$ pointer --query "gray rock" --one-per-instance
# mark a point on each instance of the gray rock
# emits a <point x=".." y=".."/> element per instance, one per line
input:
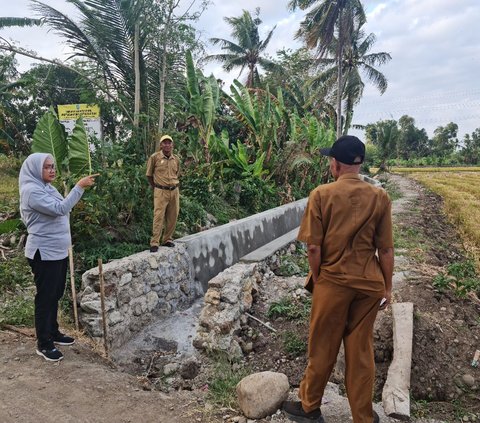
<point x="468" y="380"/>
<point x="170" y="369"/>
<point x="261" y="394"/>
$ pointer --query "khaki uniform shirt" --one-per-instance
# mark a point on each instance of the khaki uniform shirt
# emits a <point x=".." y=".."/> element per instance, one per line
<point x="163" y="169"/>
<point x="349" y="219"/>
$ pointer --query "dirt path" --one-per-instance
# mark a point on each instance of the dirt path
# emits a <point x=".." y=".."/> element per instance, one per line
<point x="81" y="388"/>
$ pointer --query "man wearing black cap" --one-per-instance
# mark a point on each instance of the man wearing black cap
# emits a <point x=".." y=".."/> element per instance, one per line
<point x="345" y="224"/>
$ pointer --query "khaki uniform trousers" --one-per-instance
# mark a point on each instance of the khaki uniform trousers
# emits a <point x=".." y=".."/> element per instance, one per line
<point x="339" y="312"/>
<point x="166" y="205"/>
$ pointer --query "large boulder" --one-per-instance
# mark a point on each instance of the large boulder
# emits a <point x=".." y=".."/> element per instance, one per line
<point x="261" y="394"/>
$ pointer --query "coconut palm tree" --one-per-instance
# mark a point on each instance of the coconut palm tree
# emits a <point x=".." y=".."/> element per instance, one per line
<point x="356" y="61"/>
<point x="246" y="51"/>
<point x="325" y="21"/>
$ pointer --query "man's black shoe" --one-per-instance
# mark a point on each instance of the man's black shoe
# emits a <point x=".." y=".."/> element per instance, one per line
<point x="61" y="339"/>
<point x="376" y="419"/>
<point x="295" y="412"/>
<point x="50" y="354"/>
<point x="168" y="244"/>
<point x="154" y="248"/>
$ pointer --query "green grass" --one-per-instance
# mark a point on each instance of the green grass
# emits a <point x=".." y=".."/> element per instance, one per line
<point x="9" y="226"/>
<point x="295" y="264"/>
<point x="409" y="239"/>
<point x="14" y="271"/>
<point x="223" y="382"/>
<point x="9" y="168"/>
<point x="17" y="312"/>
<point x="392" y="188"/>
<point x="8" y="193"/>
<point x="290" y="309"/>
<point x="461" y="277"/>
<point x="420" y="408"/>
<point x="293" y="344"/>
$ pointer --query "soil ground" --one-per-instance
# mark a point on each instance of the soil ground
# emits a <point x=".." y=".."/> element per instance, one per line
<point x="86" y="388"/>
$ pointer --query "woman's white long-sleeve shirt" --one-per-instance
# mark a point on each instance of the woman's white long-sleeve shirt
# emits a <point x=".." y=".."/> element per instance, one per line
<point x="47" y="218"/>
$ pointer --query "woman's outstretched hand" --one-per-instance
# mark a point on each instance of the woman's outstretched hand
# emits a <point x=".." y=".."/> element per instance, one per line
<point x="87" y="181"/>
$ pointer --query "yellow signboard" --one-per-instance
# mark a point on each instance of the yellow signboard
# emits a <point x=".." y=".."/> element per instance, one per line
<point x="69" y="113"/>
<point x="73" y="111"/>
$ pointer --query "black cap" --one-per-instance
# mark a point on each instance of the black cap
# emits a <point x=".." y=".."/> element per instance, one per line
<point x="347" y="149"/>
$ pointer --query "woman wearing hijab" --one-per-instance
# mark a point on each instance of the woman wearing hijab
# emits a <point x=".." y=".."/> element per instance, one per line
<point x="46" y="215"/>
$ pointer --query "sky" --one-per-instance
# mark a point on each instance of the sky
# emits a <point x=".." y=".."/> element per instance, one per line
<point x="434" y="44"/>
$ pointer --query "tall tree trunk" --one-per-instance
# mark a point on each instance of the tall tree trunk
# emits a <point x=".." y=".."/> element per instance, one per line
<point x="339" y="94"/>
<point x="251" y="67"/>
<point x="339" y="77"/>
<point x="162" y="75"/>
<point x="136" y="112"/>
<point x="163" y="71"/>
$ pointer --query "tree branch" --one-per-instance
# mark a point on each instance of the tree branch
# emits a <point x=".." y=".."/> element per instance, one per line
<point x="22" y="52"/>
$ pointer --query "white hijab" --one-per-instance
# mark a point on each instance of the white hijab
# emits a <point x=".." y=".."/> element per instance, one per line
<point x="30" y="179"/>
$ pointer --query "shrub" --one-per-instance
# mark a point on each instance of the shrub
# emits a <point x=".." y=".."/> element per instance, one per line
<point x="293" y="344"/>
<point x="192" y="216"/>
<point x="18" y="312"/>
<point x="14" y="271"/>
<point x="290" y="309"/>
<point x="460" y="276"/>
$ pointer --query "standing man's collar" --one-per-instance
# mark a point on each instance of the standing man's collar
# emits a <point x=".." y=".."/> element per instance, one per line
<point x="349" y="176"/>
<point x="162" y="156"/>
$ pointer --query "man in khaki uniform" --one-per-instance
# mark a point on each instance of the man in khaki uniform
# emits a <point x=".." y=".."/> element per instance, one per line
<point x="162" y="174"/>
<point x="345" y="224"/>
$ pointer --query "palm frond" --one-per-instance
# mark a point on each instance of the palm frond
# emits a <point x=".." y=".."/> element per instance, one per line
<point x="6" y="22"/>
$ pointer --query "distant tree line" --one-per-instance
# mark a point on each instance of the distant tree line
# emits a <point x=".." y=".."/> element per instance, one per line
<point x="403" y="143"/>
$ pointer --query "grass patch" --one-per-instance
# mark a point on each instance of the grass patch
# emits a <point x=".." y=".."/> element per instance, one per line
<point x="8" y="193"/>
<point x="406" y="237"/>
<point x="420" y="408"/>
<point x="223" y="382"/>
<point x="295" y="264"/>
<point x="293" y="344"/>
<point x="9" y="226"/>
<point x="461" y="277"/>
<point x="14" y="271"/>
<point x="290" y="309"/>
<point x="392" y="188"/>
<point x="17" y="312"/>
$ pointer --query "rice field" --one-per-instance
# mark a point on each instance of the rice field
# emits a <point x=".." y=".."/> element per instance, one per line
<point x="395" y="169"/>
<point x="461" y="193"/>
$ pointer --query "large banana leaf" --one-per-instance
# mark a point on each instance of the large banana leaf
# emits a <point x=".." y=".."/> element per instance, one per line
<point x="79" y="161"/>
<point x="49" y="137"/>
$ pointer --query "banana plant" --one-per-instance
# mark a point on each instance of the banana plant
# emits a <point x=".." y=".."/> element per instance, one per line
<point x="235" y="159"/>
<point x="305" y="143"/>
<point x="70" y="153"/>
<point x="263" y="114"/>
<point x="203" y="95"/>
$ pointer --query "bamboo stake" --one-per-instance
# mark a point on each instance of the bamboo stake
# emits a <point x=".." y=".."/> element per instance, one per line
<point x="102" y="302"/>
<point x="267" y="325"/>
<point x="72" y="285"/>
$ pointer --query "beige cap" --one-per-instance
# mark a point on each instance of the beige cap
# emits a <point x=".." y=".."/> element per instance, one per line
<point x="166" y="137"/>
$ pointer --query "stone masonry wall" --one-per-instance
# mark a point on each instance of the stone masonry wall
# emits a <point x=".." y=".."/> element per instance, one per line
<point x="137" y="288"/>
<point x="229" y="296"/>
